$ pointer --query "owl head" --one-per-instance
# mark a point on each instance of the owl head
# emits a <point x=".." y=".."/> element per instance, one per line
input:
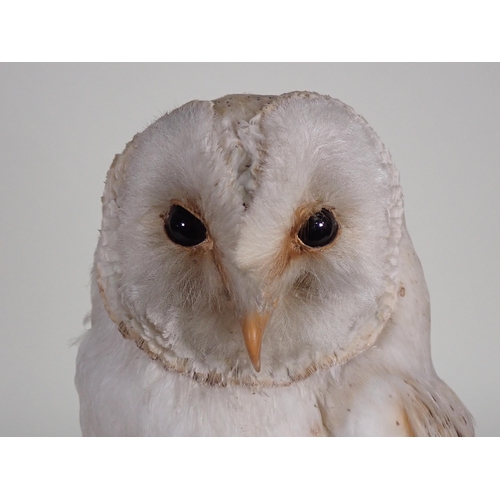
<point x="252" y="239"/>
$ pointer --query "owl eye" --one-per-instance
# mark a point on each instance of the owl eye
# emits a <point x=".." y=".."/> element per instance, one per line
<point x="183" y="228"/>
<point x="319" y="230"/>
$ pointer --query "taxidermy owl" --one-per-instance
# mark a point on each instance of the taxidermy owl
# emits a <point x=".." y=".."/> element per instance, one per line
<point x="254" y="276"/>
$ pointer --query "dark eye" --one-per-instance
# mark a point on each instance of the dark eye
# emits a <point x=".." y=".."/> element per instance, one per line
<point x="183" y="228"/>
<point x="319" y="230"/>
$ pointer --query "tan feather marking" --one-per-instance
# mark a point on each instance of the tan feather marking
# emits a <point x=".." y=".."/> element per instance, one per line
<point x="406" y="425"/>
<point x="318" y="431"/>
<point x="245" y="106"/>
<point x="217" y="259"/>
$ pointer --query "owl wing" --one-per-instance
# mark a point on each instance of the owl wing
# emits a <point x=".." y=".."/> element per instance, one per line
<point x="435" y="410"/>
<point x="390" y="405"/>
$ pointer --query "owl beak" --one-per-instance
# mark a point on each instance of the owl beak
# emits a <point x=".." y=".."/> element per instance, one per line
<point x="253" y="325"/>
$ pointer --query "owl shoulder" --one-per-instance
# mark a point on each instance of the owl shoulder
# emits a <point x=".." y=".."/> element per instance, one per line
<point x="391" y="405"/>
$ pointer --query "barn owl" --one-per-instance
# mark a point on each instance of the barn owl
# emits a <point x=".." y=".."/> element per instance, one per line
<point x="254" y="277"/>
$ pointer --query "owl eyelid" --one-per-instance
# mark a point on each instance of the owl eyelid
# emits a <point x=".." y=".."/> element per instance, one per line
<point x="190" y="207"/>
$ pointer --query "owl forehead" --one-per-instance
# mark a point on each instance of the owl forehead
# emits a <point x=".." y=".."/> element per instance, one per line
<point x="321" y="147"/>
<point x="246" y="157"/>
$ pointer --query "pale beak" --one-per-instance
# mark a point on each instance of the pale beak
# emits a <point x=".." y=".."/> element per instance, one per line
<point x="253" y="325"/>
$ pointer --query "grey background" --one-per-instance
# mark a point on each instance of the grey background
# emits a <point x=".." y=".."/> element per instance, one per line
<point x="61" y="124"/>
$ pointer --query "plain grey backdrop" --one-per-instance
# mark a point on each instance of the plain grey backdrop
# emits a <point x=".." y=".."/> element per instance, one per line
<point x="61" y="125"/>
